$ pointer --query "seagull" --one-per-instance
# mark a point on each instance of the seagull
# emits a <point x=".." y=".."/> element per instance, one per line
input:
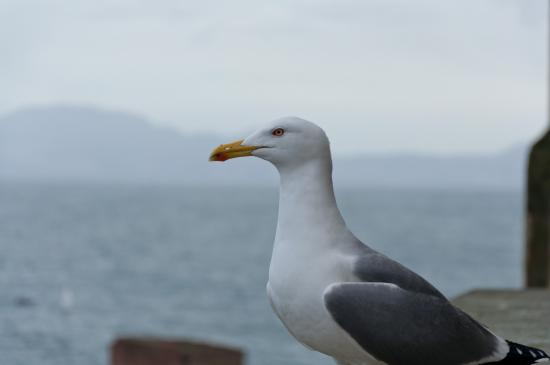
<point x="338" y="296"/>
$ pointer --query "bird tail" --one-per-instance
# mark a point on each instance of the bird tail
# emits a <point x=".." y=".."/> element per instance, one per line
<point x="522" y="355"/>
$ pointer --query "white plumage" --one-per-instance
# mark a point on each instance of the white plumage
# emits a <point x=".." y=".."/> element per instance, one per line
<point x="338" y="296"/>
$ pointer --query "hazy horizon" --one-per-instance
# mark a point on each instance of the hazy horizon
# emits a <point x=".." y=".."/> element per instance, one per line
<point x="224" y="136"/>
<point x="97" y="145"/>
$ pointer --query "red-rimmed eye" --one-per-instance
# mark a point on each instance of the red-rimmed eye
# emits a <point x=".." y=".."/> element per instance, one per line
<point x="278" y="132"/>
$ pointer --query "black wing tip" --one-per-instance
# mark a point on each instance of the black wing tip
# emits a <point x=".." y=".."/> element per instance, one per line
<point x="523" y="355"/>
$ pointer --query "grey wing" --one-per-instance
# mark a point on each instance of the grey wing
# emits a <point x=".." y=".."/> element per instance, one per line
<point x="375" y="267"/>
<point x="401" y="327"/>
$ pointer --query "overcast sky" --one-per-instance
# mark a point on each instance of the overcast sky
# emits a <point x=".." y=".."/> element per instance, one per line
<point x="448" y="76"/>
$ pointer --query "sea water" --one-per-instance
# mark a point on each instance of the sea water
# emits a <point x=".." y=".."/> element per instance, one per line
<point x="83" y="264"/>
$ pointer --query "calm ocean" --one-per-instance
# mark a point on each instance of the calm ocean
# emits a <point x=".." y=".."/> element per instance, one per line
<point x="81" y="265"/>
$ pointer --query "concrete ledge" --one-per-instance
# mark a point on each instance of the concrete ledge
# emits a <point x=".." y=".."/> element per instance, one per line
<point x="151" y="351"/>
<point x="518" y="315"/>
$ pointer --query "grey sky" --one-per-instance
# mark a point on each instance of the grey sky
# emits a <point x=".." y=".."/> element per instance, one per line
<point x="380" y="75"/>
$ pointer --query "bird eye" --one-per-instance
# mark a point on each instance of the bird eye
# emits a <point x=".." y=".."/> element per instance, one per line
<point x="278" y="132"/>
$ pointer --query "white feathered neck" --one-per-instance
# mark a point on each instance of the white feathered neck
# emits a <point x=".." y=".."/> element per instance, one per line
<point x="307" y="206"/>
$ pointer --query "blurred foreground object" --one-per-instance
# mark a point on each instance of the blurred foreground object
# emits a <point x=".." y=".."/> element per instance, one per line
<point x="537" y="255"/>
<point x="538" y="215"/>
<point x="152" y="351"/>
<point x="523" y="315"/>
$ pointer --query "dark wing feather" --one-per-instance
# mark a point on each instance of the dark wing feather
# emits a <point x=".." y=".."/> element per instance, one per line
<point x="378" y="268"/>
<point x="401" y="327"/>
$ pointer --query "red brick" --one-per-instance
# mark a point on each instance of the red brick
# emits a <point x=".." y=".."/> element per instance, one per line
<point x="151" y="351"/>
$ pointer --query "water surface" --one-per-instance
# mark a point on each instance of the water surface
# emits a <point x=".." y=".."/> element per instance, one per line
<point x="84" y="264"/>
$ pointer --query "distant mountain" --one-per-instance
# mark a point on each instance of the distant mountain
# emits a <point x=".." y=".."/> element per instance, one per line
<point x="67" y="143"/>
<point x="504" y="170"/>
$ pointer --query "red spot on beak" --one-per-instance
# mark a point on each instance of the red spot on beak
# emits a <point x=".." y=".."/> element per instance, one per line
<point x="222" y="157"/>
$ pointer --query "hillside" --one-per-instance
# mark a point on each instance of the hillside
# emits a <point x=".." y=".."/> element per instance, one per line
<point x="67" y="143"/>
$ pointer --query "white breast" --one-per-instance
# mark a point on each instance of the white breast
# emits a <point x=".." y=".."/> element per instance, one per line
<point x="308" y="256"/>
<point x="295" y="289"/>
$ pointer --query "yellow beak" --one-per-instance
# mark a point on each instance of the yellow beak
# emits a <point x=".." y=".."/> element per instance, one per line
<point x="231" y="150"/>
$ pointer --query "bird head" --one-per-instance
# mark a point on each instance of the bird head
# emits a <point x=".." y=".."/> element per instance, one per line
<point x="283" y="142"/>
